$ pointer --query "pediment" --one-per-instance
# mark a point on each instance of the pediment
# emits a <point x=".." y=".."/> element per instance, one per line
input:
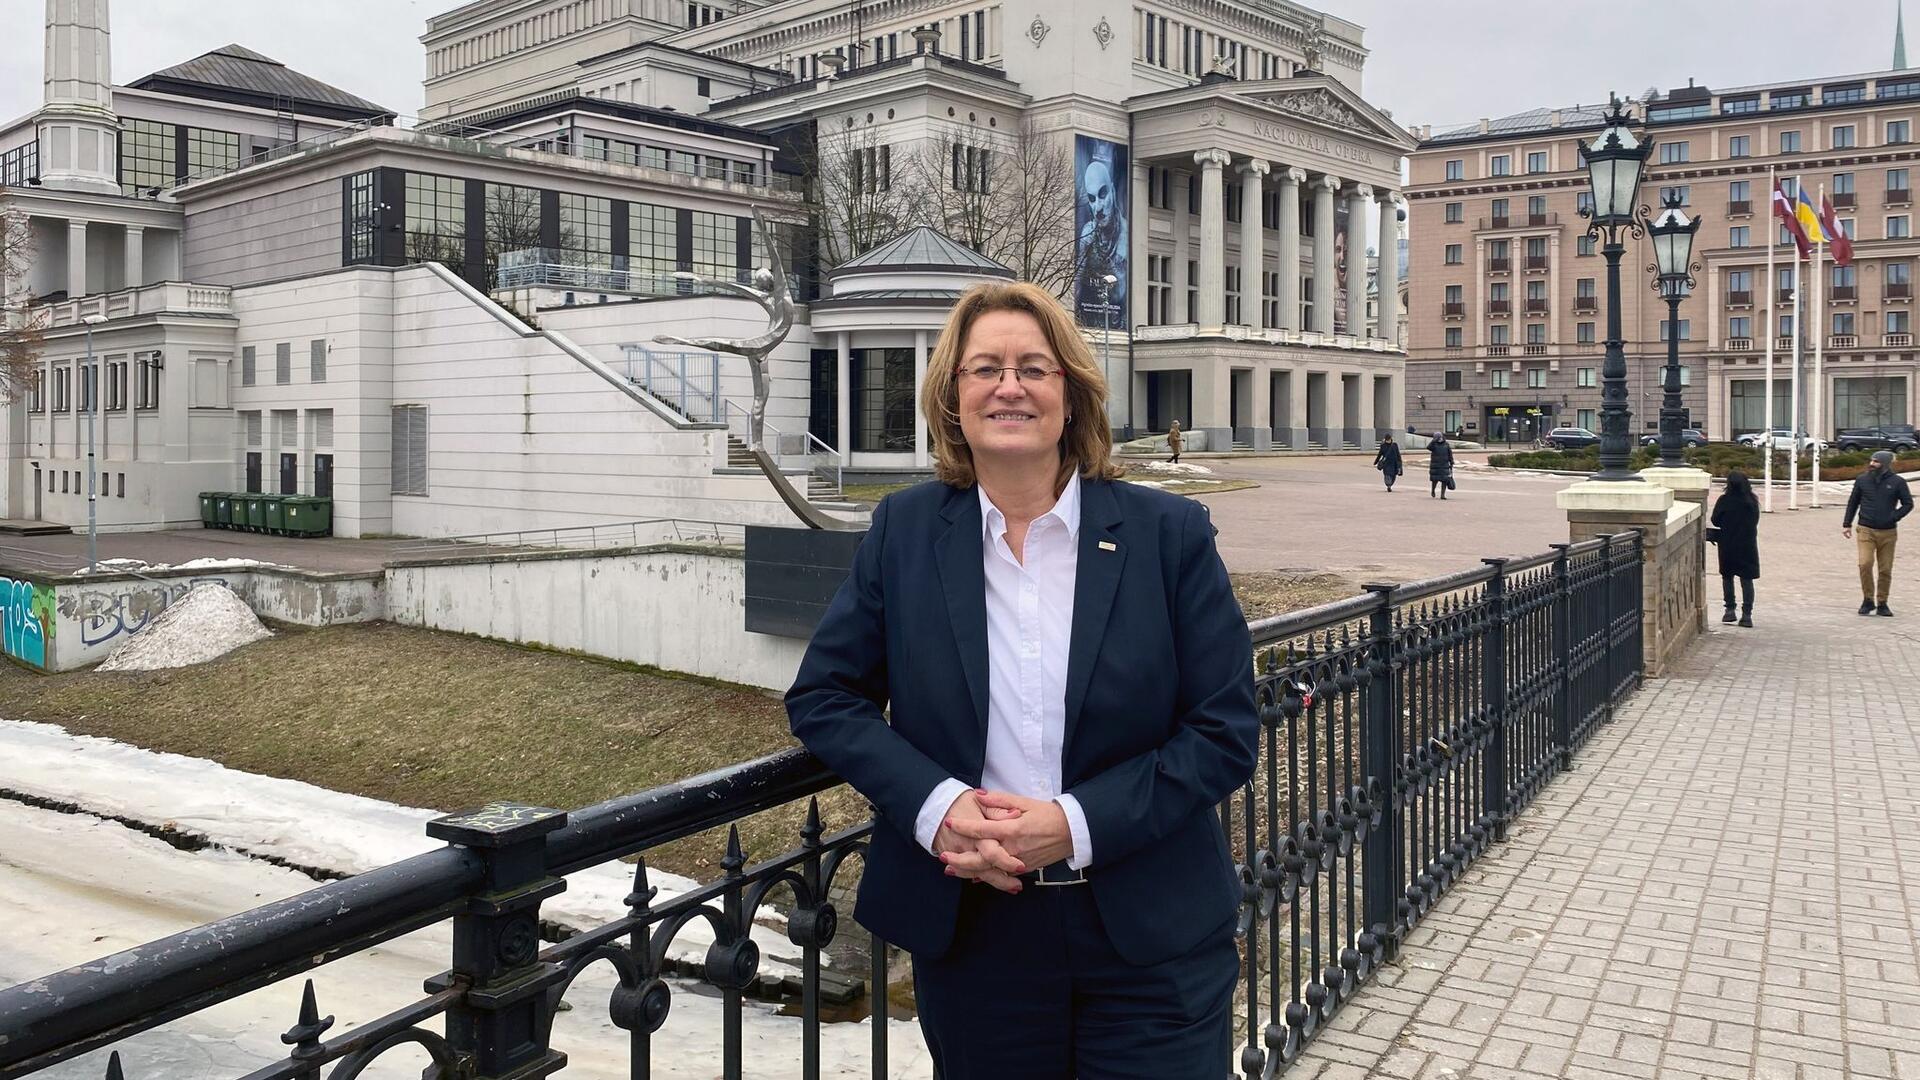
<point x="1331" y="105"/>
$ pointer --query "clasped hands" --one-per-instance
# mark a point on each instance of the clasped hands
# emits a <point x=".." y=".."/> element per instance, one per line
<point x="993" y="838"/>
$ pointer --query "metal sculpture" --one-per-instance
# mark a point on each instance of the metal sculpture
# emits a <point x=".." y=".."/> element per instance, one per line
<point x="775" y="297"/>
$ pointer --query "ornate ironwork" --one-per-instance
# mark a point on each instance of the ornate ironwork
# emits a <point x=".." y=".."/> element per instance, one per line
<point x="1401" y="731"/>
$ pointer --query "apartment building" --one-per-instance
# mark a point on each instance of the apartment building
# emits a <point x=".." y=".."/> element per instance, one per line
<point x="1507" y="314"/>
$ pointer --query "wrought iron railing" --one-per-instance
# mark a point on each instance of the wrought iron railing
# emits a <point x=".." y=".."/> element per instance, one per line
<point x="1402" y="730"/>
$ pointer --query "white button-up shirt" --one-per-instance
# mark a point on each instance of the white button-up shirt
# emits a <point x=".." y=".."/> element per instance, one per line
<point x="1029" y="629"/>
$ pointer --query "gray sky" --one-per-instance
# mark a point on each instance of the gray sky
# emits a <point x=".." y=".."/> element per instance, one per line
<point x="1440" y="62"/>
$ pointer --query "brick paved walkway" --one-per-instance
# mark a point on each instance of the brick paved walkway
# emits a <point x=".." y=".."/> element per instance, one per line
<point x="1726" y="885"/>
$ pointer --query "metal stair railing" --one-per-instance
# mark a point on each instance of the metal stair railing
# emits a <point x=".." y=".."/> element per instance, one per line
<point x="688" y="382"/>
<point x="821" y="460"/>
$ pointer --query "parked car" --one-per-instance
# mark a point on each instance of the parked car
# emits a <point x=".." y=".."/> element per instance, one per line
<point x="1754" y="438"/>
<point x="1782" y="439"/>
<point x="1572" y="438"/>
<point x="1884" y="437"/>
<point x="1691" y="437"/>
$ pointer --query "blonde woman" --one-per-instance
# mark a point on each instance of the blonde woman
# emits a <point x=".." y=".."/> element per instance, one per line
<point x="1041" y="680"/>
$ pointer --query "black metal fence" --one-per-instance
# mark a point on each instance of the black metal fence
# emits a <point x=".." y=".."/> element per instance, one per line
<point x="1402" y="730"/>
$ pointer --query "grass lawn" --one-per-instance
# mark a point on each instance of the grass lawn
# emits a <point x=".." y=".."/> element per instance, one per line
<point x="447" y="722"/>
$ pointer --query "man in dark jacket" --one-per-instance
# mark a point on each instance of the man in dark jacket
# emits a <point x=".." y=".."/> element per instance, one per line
<point x="1880" y="498"/>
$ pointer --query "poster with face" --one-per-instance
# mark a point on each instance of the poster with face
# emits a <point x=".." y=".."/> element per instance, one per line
<point x="1100" y="221"/>
<point x="1342" y="305"/>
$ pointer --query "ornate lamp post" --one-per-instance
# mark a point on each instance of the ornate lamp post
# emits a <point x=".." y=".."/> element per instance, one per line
<point x="1672" y="236"/>
<point x="1613" y="162"/>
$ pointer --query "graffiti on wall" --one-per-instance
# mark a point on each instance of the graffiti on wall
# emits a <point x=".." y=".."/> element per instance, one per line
<point x="104" y="616"/>
<point x="26" y="620"/>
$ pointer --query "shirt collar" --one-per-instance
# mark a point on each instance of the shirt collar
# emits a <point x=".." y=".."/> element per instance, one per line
<point x="1066" y="510"/>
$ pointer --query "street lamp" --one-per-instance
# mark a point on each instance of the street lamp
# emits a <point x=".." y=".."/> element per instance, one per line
<point x="1613" y="162"/>
<point x="1672" y="236"/>
<point x="90" y="385"/>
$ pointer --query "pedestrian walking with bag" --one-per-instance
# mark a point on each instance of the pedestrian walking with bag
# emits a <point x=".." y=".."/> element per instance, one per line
<point x="1736" y="530"/>
<point x="1174" y="441"/>
<point x="1880" y="499"/>
<point x="1440" y="466"/>
<point x="1388" y="462"/>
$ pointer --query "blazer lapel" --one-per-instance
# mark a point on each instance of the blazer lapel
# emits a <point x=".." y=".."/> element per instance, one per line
<point x="1096" y="580"/>
<point x="958" y="553"/>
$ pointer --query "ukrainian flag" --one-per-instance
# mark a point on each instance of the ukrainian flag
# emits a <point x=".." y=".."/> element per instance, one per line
<point x="1809" y="217"/>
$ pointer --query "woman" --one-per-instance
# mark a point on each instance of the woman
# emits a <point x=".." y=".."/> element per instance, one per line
<point x="1388" y="461"/>
<point x="1736" y="519"/>
<point x="1440" y="465"/>
<point x="1069" y="678"/>
<point x="1174" y="441"/>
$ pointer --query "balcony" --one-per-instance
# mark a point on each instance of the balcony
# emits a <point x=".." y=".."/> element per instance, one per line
<point x="1536" y="262"/>
<point x="1739" y="344"/>
<point x="1739" y="207"/>
<point x="1499" y="307"/>
<point x="1844" y="200"/>
<point x="1784" y="296"/>
<point x="1536" y="305"/>
<point x="1842" y="341"/>
<point x="1588" y="304"/>
<point x="1534" y="350"/>
<point x="1499" y="350"/>
<point x="1899" y="196"/>
<point x="168" y="296"/>
<point x="1536" y="221"/>
<point x="1783" y="343"/>
<point x="1845" y="293"/>
<point x="1453" y="310"/>
<point x="1898" y="290"/>
<point x="1499" y="264"/>
<point x="1897" y="341"/>
<point x="1742" y="298"/>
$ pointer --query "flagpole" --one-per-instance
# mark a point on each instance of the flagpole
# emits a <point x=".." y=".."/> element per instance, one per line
<point x="1793" y="387"/>
<point x="1769" y="330"/>
<point x="1817" y="400"/>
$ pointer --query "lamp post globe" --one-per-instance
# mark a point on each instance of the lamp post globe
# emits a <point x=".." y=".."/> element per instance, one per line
<point x="1671" y="234"/>
<point x="1614" y="161"/>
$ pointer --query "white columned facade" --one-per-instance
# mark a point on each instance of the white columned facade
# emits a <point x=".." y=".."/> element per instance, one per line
<point x="76" y="126"/>
<point x="1324" y="186"/>
<point x="1213" y="240"/>
<point x="843" y="377"/>
<point x="1290" y="181"/>
<point x="1140" y="232"/>
<point x="76" y="258"/>
<point x="1253" y="254"/>
<point x="136" y="256"/>
<point x="1358" y="199"/>
<point x="1389" y="274"/>
<point x="1179" y="310"/>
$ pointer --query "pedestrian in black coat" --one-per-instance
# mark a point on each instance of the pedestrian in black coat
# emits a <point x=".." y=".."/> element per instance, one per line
<point x="1388" y="461"/>
<point x="1440" y="465"/>
<point x="1736" y="521"/>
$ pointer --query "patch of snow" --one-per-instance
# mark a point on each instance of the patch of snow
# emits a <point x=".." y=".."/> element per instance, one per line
<point x="218" y="564"/>
<point x="206" y="624"/>
<point x="118" y="566"/>
<point x="1181" y="468"/>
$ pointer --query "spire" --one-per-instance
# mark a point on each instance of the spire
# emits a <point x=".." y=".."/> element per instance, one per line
<point x="1899" y="36"/>
<point x="76" y="124"/>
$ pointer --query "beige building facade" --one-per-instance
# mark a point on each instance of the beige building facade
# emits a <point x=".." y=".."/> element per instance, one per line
<point x="1507" y="313"/>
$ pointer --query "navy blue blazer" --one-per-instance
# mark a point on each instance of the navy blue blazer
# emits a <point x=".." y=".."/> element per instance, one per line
<point x="1160" y="717"/>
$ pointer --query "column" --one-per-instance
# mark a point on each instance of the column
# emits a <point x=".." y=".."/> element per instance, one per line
<point x="1396" y="418"/>
<point x="1357" y="202"/>
<point x="136" y="256"/>
<point x="1182" y="252"/>
<point x="1253" y="254"/>
<point x="1324" y="186"/>
<point x="1369" y="430"/>
<point x="1290" y="181"/>
<point x="1140" y="228"/>
<point x="920" y="457"/>
<point x="1297" y="408"/>
<point x="843" y="397"/>
<point x="76" y="262"/>
<point x="1390" y="268"/>
<point x="1213" y="240"/>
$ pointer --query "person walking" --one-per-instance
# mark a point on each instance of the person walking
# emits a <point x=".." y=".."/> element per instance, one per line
<point x="1880" y="498"/>
<point x="1174" y="441"/>
<point x="1736" y="523"/>
<point x="1440" y="465"/>
<point x="1388" y="462"/>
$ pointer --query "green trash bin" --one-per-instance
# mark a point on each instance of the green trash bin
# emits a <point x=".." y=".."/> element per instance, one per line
<point x="276" y="506"/>
<point x="256" y="513"/>
<point x="223" y="502"/>
<point x="207" y="499"/>
<point x="309" y="515"/>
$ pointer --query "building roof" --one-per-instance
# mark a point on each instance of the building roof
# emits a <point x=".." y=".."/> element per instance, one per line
<point x="239" y="75"/>
<point x="923" y="248"/>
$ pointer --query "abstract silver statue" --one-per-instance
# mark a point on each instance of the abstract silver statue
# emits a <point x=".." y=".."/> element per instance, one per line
<point x="776" y="298"/>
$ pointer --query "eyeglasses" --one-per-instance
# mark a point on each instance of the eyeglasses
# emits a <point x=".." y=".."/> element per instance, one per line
<point x="1026" y="373"/>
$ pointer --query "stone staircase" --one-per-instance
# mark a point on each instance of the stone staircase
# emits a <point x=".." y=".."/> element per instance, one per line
<point x="819" y="489"/>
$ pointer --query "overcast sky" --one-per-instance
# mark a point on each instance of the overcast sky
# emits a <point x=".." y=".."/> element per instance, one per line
<point x="1437" y="62"/>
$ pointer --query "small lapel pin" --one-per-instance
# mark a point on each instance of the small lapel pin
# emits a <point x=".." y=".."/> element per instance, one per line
<point x="1108" y="545"/>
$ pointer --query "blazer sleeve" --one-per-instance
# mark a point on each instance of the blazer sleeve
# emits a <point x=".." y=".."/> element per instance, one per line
<point x="1212" y="753"/>
<point x="836" y="706"/>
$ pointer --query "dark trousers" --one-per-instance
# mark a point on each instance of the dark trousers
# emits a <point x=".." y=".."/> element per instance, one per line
<point x="1033" y="990"/>
<point x="1746" y="589"/>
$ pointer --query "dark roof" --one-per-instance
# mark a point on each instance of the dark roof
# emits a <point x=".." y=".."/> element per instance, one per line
<point x="923" y="248"/>
<point x="565" y="100"/>
<point x="240" y="76"/>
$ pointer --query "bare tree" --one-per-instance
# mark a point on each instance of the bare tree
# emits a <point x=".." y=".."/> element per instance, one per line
<point x="20" y="326"/>
<point x="858" y="196"/>
<point x="1012" y="201"/>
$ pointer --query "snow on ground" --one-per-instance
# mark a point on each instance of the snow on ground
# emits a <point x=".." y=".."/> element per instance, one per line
<point x="206" y="624"/>
<point x="1171" y="468"/>
<point x="127" y="566"/>
<point x="74" y="888"/>
<point x="300" y="823"/>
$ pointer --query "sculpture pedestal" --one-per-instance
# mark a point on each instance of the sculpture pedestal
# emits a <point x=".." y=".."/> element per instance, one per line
<point x="1672" y="603"/>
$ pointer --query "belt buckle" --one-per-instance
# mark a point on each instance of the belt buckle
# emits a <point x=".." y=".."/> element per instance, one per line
<point x="1041" y="876"/>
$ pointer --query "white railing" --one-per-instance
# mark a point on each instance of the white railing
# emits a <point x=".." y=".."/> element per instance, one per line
<point x="1535" y="350"/>
<point x="1739" y="344"/>
<point x="1267" y="335"/>
<point x="154" y="299"/>
<point x="1170" y="332"/>
<point x="1842" y="341"/>
<point x="688" y="382"/>
<point x="1897" y="341"/>
<point x="819" y="459"/>
<point x="1498" y="350"/>
<point x="537" y="269"/>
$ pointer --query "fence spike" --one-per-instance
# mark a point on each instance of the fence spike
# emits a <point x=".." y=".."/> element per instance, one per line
<point x="113" y="1067"/>
<point x="304" y="1035"/>
<point x="810" y="830"/>
<point x="641" y="898"/>
<point x="735" y="858"/>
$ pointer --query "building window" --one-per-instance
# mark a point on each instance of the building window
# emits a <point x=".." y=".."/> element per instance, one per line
<point x="1685" y="335"/>
<point x="16" y="165"/>
<point x="363" y="220"/>
<point x="1499" y="375"/>
<point x="1686" y="372"/>
<point x="283" y="363"/>
<point x="972" y="166"/>
<point x="1681" y="191"/>
<point x="1232" y="284"/>
<point x="409" y="460"/>
<point x="1583" y="202"/>
<point x="1740" y="146"/>
<point x="1456" y="213"/>
<point x="1843" y="95"/>
<point x="1159" y="289"/>
<point x="37" y="390"/>
<point x="1740" y="326"/>
<point x="586" y="231"/>
<point x="437" y="220"/>
<point x="1583" y="245"/>
<point x="1452" y="422"/>
<point x="1536" y="376"/>
<point x="1673" y="153"/>
<point x="1789" y="142"/>
<point x="1789" y="99"/>
<point x="1586" y="419"/>
<point x="250" y="427"/>
<point x="1869" y="402"/>
<point x="716" y="253"/>
<point x="511" y="218"/>
<point x="211" y="151"/>
<point x="247" y="372"/>
<point x="116" y="385"/>
<point x="1537" y="161"/>
<point x="1842" y="324"/>
<point x="1583" y="377"/>
<point x="1842" y="184"/>
<point x="1899" y="131"/>
<point x="1899" y="273"/>
<point x="1897" y="227"/>
<point x="1193" y="289"/>
<point x="1454" y="339"/>
<point x="317" y="360"/>
<point x="1899" y="322"/>
<point x="1456" y="169"/>
<point x="883" y="402"/>
<point x="1452" y="380"/>
<point x="1583" y="333"/>
<point x="1898" y="187"/>
<point x="1499" y="211"/>
<point x="703" y="86"/>
<point x="146" y="155"/>
<point x="1841" y="136"/>
<point x="1454" y="254"/>
<point x="1740" y="236"/>
<point x="1500" y="165"/>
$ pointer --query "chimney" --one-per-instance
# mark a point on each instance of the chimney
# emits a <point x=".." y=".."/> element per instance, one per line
<point x="1485" y="125"/>
<point x="1553" y="119"/>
